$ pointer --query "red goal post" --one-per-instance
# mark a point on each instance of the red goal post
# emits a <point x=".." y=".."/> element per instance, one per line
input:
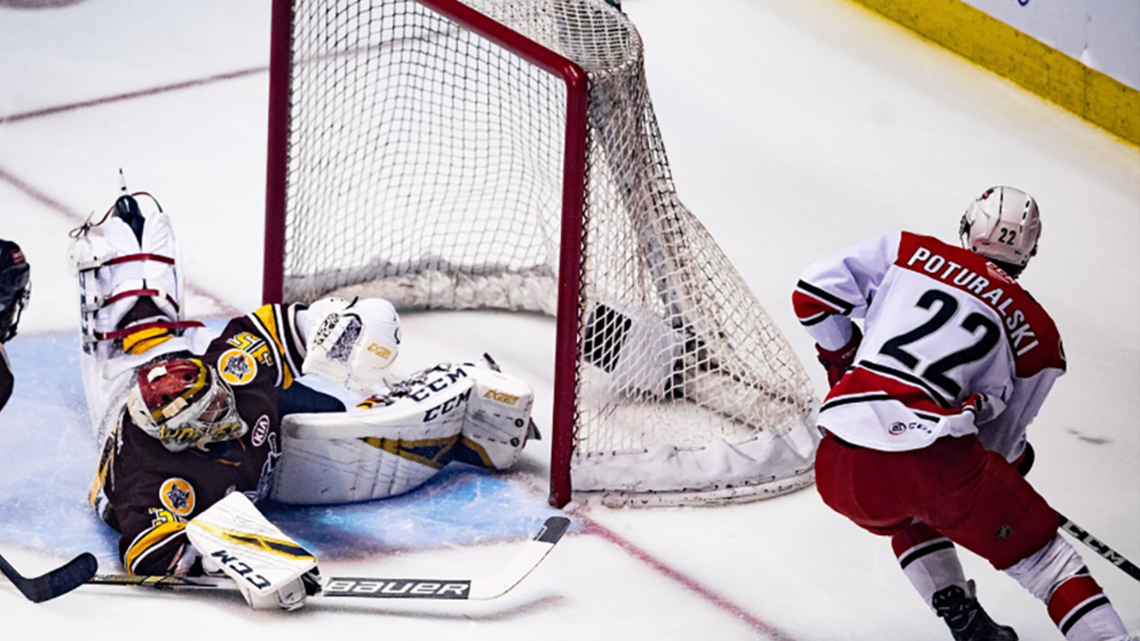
<point x="457" y="132"/>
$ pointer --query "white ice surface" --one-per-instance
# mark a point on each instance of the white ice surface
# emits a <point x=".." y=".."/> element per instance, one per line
<point x="793" y="129"/>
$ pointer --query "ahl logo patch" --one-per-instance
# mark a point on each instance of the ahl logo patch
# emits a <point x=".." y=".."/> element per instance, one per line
<point x="237" y="367"/>
<point x="177" y="495"/>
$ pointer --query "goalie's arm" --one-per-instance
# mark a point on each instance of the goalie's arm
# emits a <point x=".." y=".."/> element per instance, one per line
<point x="264" y="344"/>
<point x="153" y="541"/>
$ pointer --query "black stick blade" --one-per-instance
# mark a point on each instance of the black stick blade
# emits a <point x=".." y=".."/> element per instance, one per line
<point x="55" y="583"/>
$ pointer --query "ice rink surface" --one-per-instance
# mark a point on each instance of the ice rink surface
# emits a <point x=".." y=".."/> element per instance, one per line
<point x="793" y="129"/>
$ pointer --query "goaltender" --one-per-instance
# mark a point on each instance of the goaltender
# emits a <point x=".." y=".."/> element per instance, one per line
<point x="186" y="417"/>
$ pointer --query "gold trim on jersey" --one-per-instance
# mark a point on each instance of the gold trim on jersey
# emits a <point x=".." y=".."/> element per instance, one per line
<point x="164" y="527"/>
<point x="103" y="471"/>
<point x="273" y="327"/>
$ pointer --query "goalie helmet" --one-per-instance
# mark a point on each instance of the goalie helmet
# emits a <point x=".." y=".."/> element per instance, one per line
<point x="1003" y="225"/>
<point x="15" y="288"/>
<point x="183" y="403"/>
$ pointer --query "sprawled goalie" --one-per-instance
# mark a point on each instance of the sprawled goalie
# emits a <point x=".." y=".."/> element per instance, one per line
<point x="187" y="417"/>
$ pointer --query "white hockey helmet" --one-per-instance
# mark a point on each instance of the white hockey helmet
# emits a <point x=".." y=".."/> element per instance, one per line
<point x="1003" y="225"/>
<point x="182" y="402"/>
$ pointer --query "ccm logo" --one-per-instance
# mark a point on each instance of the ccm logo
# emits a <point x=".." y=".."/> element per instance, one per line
<point x="381" y="588"/>
<point x="447" y="406"/>
<point x="505" y="399"/>
<point x="242" y="570"/>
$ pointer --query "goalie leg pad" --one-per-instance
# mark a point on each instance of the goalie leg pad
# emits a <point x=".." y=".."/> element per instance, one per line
<point x="271" y="569"/>
<point x="115" y="268"/>
<point x="497" y="423"/>
<point x="366" y="454"/>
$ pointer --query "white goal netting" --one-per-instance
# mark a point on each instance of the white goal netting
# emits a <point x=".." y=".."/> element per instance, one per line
<point x="428" y="163"/>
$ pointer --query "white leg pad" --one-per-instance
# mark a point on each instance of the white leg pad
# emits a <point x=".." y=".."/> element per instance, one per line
<point x="365" y="454"/>
<point x="498" y="417"/>
<point x="100" y="280"/>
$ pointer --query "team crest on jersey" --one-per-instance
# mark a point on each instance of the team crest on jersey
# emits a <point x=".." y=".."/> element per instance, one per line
<point x="177" y="495"/>
<point x="237" y="367"/>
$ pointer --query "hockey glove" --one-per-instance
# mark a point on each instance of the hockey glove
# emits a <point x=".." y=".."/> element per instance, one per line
<point x="837" y="362"/>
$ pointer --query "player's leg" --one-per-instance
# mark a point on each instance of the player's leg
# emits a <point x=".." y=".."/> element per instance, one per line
<point x="930" y="561"/>
<point x="871" y="488"/>
<point x="993" y="511"/>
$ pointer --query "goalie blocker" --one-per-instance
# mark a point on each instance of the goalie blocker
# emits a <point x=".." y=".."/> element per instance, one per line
<point x="394" y="442"/>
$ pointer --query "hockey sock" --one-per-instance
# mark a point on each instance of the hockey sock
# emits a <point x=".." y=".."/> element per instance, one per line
<point x="929" y="560"/>
<point x="1057" y="575"/>
<point x="1083" y="613"/>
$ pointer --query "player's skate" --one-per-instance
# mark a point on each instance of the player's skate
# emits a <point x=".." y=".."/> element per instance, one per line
<point x="966" y="618"/>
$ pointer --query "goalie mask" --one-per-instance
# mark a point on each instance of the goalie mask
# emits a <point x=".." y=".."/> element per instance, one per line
<point x="15" y="288"/>
<point x="183" y="403"/>
<point x="1003" y="225"/>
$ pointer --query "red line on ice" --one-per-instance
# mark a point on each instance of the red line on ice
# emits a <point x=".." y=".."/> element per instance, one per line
<point x="771" y="631"/>
<point x="131" y="95"/>
<point x="58" y="207"/>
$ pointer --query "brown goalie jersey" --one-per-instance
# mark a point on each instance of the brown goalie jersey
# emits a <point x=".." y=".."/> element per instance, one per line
<point x="148" y="493"/>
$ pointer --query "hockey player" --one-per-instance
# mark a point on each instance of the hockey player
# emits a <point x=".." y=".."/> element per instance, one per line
<point x="924" y="428"/>
<point x="15" y="290"/>
<point x="185" y="416"/>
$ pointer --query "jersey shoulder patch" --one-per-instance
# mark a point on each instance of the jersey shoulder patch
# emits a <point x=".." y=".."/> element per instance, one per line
<point x="177" y="495"/>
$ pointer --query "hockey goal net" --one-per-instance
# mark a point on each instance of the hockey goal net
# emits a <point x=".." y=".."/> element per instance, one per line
<point x="504" y="154"/>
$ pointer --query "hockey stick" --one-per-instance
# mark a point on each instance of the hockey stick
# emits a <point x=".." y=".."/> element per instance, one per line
<point x="488" y="587"/>
<point x="55" y="583"/>
<point x="1114" y="557"/>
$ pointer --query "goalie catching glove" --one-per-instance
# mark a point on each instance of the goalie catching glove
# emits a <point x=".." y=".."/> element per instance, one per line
<point x="351" y="343"/>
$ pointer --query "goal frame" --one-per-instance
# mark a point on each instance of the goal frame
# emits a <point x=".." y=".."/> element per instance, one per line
<point x="569" y="290"/>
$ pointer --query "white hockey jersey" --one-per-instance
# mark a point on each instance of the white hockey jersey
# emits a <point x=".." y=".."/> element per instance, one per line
<point x="951" y="346"/>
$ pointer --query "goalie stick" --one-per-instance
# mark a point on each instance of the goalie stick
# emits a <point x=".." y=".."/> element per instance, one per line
<point x="488" y="587"/>
<point x="1113" y="557"/>
<point x="57" y="582"/>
